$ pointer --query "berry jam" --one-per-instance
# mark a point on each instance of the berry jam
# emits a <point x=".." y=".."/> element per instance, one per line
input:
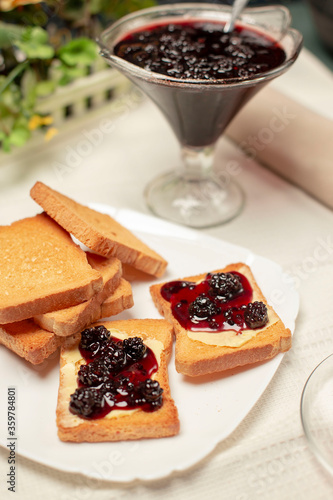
<point x="200" y="50"/>
<point x="116" y="376"/>
<point x="222" y="301"/>
<point x="217" y="73"/>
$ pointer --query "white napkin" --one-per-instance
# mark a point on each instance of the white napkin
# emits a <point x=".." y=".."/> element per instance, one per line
<point x="290" y="139"/>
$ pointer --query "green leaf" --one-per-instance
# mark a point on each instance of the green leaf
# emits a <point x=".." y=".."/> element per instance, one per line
<point x="7" y="119"/>
<point x="45" y="88"/>
<point x="28" y="88"/>
<point x="19" y="136"/>
<point x="70" y="74"/>
<point x="35" y="34"/>
<point x="34" y="43"/>
<point x="6" y="145"/>
<point x="36" y="51"/>
<point x="81" y="51"/>
<point x="9" y="34"/>
<point x="12" y="75"/>
<point x="22" y="121"/>
<point x="10" y="99"/>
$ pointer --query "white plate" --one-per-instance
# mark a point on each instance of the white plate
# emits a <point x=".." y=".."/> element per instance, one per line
<point x="209" y="409"/>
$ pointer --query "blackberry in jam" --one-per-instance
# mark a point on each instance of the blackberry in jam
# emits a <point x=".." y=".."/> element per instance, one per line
<point x="255" y="315"/>
<point x="173" y="287"/>
<point x="109" y="391"/>
<point x="124" y="386"/>
<point x="95" y="373"/>
<point x="202" y="309"/>
<point x="235" y="316"/>
<point x="151" y="391"/>
<point x="134" y="348"/>
<point x="114" y="356"/>
<point x="86" y="402"/>
<point x="224" y="286"/>
<point x="93" y="339"/>
<point x="117" y="376"/>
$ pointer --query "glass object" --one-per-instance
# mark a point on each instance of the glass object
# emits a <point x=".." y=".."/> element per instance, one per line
<point x="199" y="110"/>
<point x="317" y="412"/>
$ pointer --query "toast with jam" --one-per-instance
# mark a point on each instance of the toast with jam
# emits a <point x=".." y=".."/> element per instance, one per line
<point x="114" y="383"/>
<point x="221" y="321"/>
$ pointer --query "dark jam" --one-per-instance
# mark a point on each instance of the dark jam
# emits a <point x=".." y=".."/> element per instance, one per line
<point x="207" y="61"/>
<point x="222" y="301"/>
<point x="201" y="50"/>
<point x="116" y="375"/>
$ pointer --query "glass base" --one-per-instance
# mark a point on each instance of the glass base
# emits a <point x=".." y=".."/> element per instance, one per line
<point x="195" y="203"/>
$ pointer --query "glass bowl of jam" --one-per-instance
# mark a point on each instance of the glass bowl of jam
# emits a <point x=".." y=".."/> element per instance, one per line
<point x="200" y="76"/>
<point x="317" y="412"/>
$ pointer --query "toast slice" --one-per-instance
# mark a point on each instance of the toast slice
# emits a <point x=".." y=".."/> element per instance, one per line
<point x="35" y="344"/>
<point x="119" y="425"/>
<point x="41" y="270"/>
<point x="98" y="231"/>
<point x="29" y="341"/>
<point x="65" y="322"/>
<point x="198" y="354"/>
<point x="121" y="299"/>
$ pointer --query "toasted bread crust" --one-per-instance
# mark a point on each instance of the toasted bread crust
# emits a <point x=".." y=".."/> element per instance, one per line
<point x="65" y="322"/>
<point x="136" y="425"/>
<point x="121" y="299"/>
<point x="194" y="358"/>
<point x="42" y="270"/>
<point x="29" y="341"/>
<point x="98" y="231"/>
<point x="35" y="344"/>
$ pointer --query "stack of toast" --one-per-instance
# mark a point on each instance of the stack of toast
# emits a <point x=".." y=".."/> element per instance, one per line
<point x="51" y="288"/>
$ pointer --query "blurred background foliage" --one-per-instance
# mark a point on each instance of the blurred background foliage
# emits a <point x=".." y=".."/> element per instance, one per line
<point x="43" y="46"/>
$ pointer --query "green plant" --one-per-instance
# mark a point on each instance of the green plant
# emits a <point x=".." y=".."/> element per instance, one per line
<point x="43" y="47"/>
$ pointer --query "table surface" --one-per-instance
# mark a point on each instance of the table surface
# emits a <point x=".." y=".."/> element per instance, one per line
<point x="267" y="456"/>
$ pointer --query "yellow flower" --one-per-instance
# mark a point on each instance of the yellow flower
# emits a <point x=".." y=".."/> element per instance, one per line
<point x="51" y="132"/>
<point x="37" y="121"/>
<point x="12" y="4"/>
<point x="34" y="122"/>
<point x="46" y="120"/>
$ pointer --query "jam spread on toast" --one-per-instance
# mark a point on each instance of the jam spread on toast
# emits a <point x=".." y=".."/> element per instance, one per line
<point x="221" y="301"/>
<point x="116" y="375"/>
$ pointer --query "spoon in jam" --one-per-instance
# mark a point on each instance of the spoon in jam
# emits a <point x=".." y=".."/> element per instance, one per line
<point x="237" y="8"/>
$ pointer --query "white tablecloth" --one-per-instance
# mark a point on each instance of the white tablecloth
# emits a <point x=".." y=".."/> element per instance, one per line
<point x="267" y="457"/>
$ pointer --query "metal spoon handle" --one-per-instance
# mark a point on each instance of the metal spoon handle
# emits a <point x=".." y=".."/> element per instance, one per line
<point x="237" y="8"/>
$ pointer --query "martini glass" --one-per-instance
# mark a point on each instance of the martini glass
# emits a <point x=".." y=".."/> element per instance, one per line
<point x="196" y="194"/>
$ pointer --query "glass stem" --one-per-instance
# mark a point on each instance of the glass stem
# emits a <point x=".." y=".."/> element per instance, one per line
<point x="197" y="162"/>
